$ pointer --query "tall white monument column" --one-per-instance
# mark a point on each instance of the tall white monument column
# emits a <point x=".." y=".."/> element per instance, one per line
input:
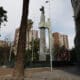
<point x="42" y="55"/>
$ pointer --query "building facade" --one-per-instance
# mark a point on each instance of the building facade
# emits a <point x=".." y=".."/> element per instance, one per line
<point x="30" y="34"/>
<point x="65" y="41"/>
<point x="60" y="40"/>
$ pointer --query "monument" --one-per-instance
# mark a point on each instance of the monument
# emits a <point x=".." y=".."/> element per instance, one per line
<point x="42" y="55"/>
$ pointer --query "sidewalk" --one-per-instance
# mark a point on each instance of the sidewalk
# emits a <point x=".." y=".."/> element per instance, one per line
<point x="45" y="74"/>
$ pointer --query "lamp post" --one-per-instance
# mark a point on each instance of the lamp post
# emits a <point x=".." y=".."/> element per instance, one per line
<point x="32" y="45"/>
<point x="50" y="34"/>
<point x="48" y="24"/>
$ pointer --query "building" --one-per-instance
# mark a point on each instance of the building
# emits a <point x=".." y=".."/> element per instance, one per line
<point x="30" y="34"/>
<point x="33" y="34"/>
<point x="65" y="41"/>
<point x="60" y="40"/>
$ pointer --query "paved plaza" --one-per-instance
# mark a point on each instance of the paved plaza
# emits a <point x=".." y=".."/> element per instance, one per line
<point x="62" y="73"/>
<point x="68" y="73"/>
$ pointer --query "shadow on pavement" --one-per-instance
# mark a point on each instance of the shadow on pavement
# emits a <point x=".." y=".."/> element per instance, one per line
<point x="71" y="69"/>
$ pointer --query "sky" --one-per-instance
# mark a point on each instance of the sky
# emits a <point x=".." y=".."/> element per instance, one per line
<point x="60" y="12"/>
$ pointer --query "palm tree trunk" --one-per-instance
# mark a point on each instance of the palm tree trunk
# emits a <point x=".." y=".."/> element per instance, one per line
<point x="19" y="66"/>
<point x="77" y="38"/>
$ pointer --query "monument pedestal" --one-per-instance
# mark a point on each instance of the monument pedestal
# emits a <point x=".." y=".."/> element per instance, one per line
<point x="42" y="57"/>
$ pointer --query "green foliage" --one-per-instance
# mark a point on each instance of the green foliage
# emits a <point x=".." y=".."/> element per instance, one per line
<point x="3" y="16"/>
<point x="33" y="51"/>
<point x="48" y="57"/>
<point x="28" y="56"/>
<point x="1" y="56"/>
<point x="35" y="48"/>
<point x="55" y="52"/>
<point x="35" y="44"/>
<point x="77" y="52"/>
<point x="4" y="54"/>
<point x="61" y="54"/>
<point x="73" y="55"/>
<point x="12" y="59"/>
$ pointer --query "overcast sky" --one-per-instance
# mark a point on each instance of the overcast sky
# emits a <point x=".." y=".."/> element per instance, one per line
<point x="61" y="17"/>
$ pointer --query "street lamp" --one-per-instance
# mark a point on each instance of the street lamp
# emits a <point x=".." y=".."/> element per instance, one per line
<point x="48" y="24"/>
<point x="32" y="45"/>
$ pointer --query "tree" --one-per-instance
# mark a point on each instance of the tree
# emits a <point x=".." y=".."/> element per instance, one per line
<point x="61" y="54"/>
<point x="19" y="65"/>
<point x="55" y="52"/>
<point x="35" y="48"/>
<point x="11" y="58"/>
<point x="28" y="57"/>
<point x="4" y="54"/>
<point x="73" y="56"/>
<point x="3" y="16"/>
<point x="1" y="56"/>
<point x="32" y="52"/>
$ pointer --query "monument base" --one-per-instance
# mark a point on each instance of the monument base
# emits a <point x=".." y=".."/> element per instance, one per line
<point x="42" y="57"/>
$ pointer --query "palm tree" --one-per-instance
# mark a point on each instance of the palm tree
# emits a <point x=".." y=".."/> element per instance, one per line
<point x="3" y="16"/>
<point x="77" y="37"/>
<point x="19" y="65"/>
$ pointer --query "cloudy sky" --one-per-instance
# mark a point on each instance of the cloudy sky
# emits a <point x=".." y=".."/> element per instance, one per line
<point x="60" y="11"/>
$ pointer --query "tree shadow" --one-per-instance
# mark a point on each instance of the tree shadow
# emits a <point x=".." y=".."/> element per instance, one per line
<point x="71" y="69"/>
